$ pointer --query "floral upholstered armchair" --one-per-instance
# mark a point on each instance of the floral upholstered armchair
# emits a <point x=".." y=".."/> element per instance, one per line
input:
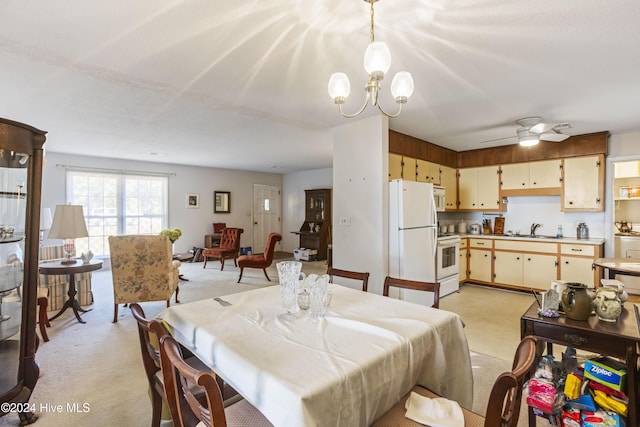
<point x="58" y="285"/>
<point x="143" y="269"/>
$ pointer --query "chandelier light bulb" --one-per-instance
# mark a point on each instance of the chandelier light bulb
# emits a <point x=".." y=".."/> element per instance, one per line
<point x="402" y="86"/>
<point x="377" y="59"/>
<point x="339" y="87"/>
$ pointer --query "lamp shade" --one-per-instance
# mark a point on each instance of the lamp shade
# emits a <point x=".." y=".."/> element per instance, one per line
<point x="402" y="85"/>
<point x="68" y="223"/>
<point x="339" y="86"/>
<point x="377" y="58"/>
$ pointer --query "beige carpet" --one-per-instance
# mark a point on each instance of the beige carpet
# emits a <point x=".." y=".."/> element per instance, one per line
<point x="99" y="364"/>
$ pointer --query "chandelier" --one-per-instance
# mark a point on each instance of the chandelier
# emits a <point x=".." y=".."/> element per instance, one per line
<point x="377" y="61"/>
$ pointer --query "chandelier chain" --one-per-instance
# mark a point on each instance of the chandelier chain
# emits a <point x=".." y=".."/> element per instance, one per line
<point x="371" y="13"/>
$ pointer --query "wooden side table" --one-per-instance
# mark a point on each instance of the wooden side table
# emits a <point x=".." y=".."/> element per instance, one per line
<point x="56" y="268"/>
<point x="185" y="257"/>
<point x="619" y="339"/>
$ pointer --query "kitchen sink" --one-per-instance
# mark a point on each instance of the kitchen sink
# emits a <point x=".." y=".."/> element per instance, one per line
<point x="537" y="236"/>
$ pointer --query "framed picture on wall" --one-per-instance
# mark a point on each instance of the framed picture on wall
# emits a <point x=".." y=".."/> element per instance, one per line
<point x="221" y="202"/>
<point x="193" y="200"/>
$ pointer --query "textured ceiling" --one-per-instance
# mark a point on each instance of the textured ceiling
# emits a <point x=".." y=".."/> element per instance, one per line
<point x="242" y="84"/>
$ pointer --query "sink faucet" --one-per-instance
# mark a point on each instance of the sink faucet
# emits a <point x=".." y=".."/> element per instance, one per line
<point x="534" y="227"/>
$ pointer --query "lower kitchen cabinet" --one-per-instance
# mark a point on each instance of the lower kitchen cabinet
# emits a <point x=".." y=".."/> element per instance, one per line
<point x="508" y="268"/>
<point x="576" y="263"/>
<point x="529" y="264"/>
<point x="539" y="270"/>
<point x="480" y="260"/>
<point x="463" y="263"/>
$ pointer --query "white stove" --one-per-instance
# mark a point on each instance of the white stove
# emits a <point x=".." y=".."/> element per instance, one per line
<point x="447" y="263"/>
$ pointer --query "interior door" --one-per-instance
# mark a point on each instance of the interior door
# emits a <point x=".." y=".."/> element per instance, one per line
<point x="266" y="214"/>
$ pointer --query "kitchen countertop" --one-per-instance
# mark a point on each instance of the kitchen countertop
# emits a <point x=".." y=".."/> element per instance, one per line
<point x="541" y="238"/>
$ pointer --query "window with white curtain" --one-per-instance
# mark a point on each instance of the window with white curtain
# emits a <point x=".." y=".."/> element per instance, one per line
<point x="117" y="204"/>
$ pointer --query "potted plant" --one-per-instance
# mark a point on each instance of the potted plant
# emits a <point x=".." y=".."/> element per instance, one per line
<point x="172" y="233"/>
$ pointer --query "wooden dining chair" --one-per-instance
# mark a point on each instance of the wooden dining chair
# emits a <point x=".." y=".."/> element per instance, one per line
<point x="415" y="285"/>
<point x="189" y="410"/>
<point x="363" y="277"/>
<point x="150" y="333"/>
<point x="503" y="407"/>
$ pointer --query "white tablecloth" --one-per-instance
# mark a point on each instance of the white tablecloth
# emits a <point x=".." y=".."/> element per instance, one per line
<point x="345" y="369"/>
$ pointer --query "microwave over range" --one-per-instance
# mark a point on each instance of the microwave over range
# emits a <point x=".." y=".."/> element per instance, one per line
<point x="438" y="196"/>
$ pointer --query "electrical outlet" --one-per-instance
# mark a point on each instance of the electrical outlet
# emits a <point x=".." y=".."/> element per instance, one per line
<point x="345" y="221"/>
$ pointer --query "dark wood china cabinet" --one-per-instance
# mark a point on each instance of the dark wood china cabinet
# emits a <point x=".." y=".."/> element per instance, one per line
<point x="20" y="185"/>
<point x="315" y="232"/>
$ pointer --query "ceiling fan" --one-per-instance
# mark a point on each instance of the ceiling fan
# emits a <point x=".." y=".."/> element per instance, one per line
<point x="533" y="130"/>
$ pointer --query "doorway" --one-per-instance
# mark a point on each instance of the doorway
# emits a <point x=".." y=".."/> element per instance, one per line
<point x="266" y="214"/>
<point x="626" y="216"/>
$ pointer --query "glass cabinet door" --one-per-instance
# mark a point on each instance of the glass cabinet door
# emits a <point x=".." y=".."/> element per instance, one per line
<point x="13" y="202"/>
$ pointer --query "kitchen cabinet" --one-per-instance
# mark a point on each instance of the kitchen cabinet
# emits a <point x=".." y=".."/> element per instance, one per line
<point x="532" y="178"/>
<point x="409" y="165"/>
<point x="508" y="268"/>
<point x="583" y="184"/>
<point x="463" y="262"/>
<point x="449" y="180"/>
<point x="315" y="232"/>
<point x="480" y="260"/>
<point x="576" y="263"/>
<point x="21" y="157"/>
<point x="395" y="166"/>
<point x="539" y="271"/>
<point x="479" y="189"/>
<point x="525" y="264"/>
<point x="427" y="172"/>
<point x="525" y="270"/>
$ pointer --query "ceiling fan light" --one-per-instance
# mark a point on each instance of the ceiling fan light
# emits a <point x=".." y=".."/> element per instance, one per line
<point x="377" y="59"/>
<point x="402" y="86"/>
<point x="339" y="87"/>
<point x="529" y="140"/>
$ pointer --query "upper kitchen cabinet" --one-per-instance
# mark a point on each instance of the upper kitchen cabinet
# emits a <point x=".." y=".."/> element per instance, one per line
<point x="583" y="183"/>
<point x="20" y="179"/>
<point x="531" y="179"/>
<point x="427" y="172"/>
<point x="402" y="167"/>
<point x="479" y="189"/>
<point x="395" y="166"/>
<point x="448" y="179"/>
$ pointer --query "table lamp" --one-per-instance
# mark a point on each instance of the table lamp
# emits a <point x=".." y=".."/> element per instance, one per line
<point x="68" y="224"/>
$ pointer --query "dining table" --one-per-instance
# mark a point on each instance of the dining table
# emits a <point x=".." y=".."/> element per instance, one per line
<point x="344" y="369"/>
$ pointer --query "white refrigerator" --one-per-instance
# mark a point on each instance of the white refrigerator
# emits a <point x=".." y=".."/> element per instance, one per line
<point x="413" y="236"/>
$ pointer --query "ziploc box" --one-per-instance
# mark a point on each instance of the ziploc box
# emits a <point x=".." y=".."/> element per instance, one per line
<point x="600" y="419"/>
<point x="606" y="371"/>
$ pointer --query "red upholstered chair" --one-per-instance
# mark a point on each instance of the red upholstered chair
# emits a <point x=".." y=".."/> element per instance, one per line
<point x="229" y="247"/>
<point x="218" y="227"/>
<point x="262" y="260"/>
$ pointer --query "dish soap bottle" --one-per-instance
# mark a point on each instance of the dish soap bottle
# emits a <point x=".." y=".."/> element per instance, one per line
<point x="559" y="232"/>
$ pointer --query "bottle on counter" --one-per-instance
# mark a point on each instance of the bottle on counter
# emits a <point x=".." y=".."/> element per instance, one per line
<point x="559" y="232"/>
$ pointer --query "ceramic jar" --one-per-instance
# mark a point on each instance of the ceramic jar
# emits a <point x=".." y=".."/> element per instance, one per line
<point x="607" y="304"/>
<point x="576" y="301"/>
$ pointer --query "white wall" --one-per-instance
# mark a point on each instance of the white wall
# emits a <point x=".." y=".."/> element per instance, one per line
<point x="293" y="211"/>
<point x="194" y="223"/>
<point x="360" y="192"/>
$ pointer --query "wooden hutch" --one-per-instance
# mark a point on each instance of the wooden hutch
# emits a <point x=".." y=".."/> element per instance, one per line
<point x="315" y="232"/>
<point x="21" y="158"/>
